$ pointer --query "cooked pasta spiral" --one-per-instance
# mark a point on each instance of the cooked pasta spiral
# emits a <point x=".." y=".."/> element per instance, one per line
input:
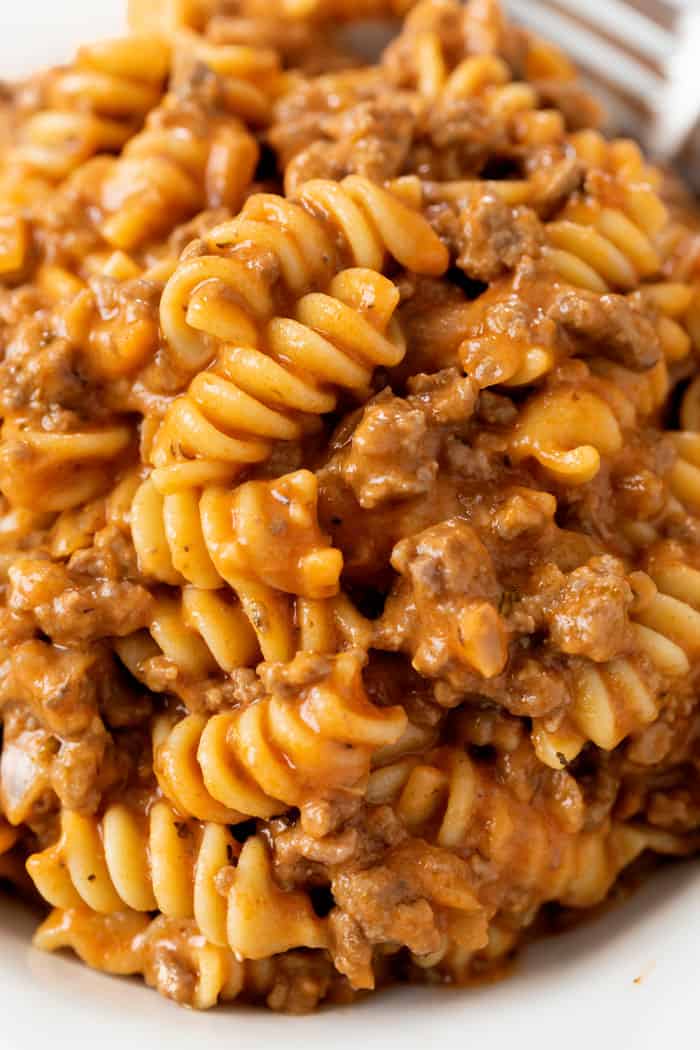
<point x="621" y="158"/>
<point x="600" y="247"/>
<point x="237" y="538"/>
<point x="261" y="759"/>
<point x="684" y="476"/>
<point x="515" y="104"/>
<point x="118" y="944"/>
<point x="172" y="170"/>
<point x="619" y="698"/>
<point x="670" y="621"/>
<point x="49" y="471"/>
<point x="144" y="863"/>
<point x="129" y="942"/>
<point x="305" y="241"/>
<point x="269" y="532"/>
<point x="454" y="795"/>
<point x="93" y="105"/>
<point x="330" y="624"/>
<point x="451" y="797"/>
<point x="566" y="431"/>
<point x="507" y="358"/>
<point x="198" y="631"/>
<point x="669" y="303"/>
<point x="426" y="60"/>
<point x="263" y="920"/>
<point x="253" y="396"/>
<point x="609" y="702"/>
<point x="204" y="630"/>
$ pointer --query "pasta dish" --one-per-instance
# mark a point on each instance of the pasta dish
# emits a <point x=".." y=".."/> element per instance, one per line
<point x="350" y="499"/>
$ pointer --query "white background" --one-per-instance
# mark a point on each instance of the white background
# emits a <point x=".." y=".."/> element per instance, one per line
<point x="40" y="32"/>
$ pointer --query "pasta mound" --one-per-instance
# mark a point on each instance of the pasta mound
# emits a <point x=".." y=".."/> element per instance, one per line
<point x="350" y="521"/>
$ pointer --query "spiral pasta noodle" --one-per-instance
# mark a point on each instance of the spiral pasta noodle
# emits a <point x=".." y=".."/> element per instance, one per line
<point x="252" y="397"/>
<point x="262" y="920"/>
<point x="621" y="158"/>
<point x="673" y="613"/>
<point x="235" y="538"/>
<point x="684" y="476"/>
<point x="609" y="702"/>
<point x="487" y="78"/>
<point x="567" y="431"/>
<point x="51" y="471"/>
<point x="93" y="105"/>
<point x="131" y="943"/>
<point x="261" y="759"/>
<point x="207" y="631"/>
<point x="451" y="794"/>
<point x="128" y="861"/>
<point x="327" y="227"/>
<point x="190" y="156"/>
<point x="601" y="248"/>
<point x="202" y="631"/>
<point x="502" y="358"/>
<point x="616" y="699"/>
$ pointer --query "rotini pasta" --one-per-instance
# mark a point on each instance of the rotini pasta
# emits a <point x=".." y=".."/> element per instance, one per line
<point x="266" y="757"/>
<point x="566" y="431"/>
<point x="262" y="919"/>
<point x="128" y="860"/>
<point x="93" y="105"/>
<point x="450" y="792"/>
<point x="612" y="701"/>
<point x="609" y="702"/>
<point x="252" y="397"/>
<point x="190" y="155"/>
<point x="52" y="471"/>
<point x="308" y="238"/>
<point x="235" y="539"/>
<point x="208" y="630"/>
<point x="602" y="248"/>
<point x="202" y="631"/>
<point x="129" y="943"/>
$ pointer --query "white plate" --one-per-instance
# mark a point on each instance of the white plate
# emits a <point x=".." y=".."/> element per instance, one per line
<point x="621" y="982"/>
<point x="624" y="981"/>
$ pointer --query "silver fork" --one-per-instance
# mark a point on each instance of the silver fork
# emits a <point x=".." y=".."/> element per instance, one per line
<point x="641" y="56"/>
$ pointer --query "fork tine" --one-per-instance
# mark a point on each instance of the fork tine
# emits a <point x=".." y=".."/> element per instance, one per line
<point x="677" y="107"/>
<point x="625" y="24"/>
<point x="622" y="53"/>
